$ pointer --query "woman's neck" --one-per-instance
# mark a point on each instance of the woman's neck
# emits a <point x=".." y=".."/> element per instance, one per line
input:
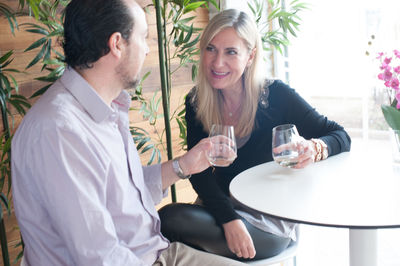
<point x="232" y="105"/>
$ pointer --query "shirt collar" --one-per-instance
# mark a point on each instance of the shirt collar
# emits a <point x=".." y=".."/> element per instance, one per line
<point x="89" y="98"/>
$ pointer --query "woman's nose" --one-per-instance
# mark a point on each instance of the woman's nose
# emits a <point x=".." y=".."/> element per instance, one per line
<point x="218" y="60"/>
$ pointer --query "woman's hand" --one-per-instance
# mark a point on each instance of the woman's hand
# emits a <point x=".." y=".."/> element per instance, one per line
<point x="305" y="150"/>
<point x="306" y="153"/>
<point x="238" y="239"/>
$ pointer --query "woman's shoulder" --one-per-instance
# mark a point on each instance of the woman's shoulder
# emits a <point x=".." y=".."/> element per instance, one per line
<point x="276" y="85"/>
<point x="278" y="89"/>
<point x="190" y="100"/>
<point x="272" y="88"/>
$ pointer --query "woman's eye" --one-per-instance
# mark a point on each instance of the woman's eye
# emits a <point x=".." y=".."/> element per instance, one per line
<point x="209" y="48"/>
<point x="231" y="52"/>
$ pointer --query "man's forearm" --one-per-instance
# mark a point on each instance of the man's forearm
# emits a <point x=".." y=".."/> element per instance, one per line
<point x="169" y="176"/>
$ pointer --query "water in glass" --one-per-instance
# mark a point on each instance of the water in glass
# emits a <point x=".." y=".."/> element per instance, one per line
<point x="284" y="148"/>
<point x="223" y="150"/>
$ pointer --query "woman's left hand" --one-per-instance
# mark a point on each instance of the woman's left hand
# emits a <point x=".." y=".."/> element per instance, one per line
<point x="306" y="153"/>
<point x="238" y="239"/>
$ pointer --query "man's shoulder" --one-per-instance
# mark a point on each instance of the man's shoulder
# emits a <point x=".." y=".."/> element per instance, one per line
<point x="56" y="108"/>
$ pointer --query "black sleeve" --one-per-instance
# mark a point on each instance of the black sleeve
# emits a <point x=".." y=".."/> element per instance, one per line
<point x="309" y="122"/>
<point x="205" y="183"/>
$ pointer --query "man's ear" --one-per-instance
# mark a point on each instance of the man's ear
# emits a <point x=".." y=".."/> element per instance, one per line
<point x="116" y="44"/>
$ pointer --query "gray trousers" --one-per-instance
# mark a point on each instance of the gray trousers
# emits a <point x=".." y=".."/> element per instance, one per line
<point x="179" y="254"/>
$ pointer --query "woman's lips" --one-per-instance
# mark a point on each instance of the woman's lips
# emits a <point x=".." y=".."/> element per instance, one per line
<point x="219" y="75"/>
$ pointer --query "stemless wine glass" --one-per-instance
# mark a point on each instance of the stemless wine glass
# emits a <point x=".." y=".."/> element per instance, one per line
<point x="223" y="150"/>
<point x="284" y="148"/>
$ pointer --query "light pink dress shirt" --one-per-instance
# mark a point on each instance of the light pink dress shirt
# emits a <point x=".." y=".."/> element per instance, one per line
<point x="80" y="193"/>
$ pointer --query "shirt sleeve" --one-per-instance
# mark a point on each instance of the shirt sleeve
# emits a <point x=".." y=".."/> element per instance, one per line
<point x="72" y="182"/>
<point x="152" y="177"/>
<point x="205" y="183"/>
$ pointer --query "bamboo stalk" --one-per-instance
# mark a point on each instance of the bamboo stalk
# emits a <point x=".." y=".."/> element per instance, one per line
<point x="164" y="87"/>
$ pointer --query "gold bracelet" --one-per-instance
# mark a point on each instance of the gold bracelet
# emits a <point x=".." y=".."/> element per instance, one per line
<point x="321" y="148"/>
<point x="318" y="149"/>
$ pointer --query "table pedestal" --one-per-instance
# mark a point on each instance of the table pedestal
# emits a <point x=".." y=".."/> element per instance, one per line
<point x="363" y="247"/>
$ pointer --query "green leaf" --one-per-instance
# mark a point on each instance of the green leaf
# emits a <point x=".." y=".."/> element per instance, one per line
<point x="251" y="8"/>
<point x="5" y="202"/>
<point x="6" y="82"/>
<point x="142" y="142"/>
<point x="6" y="56"/>
<point x="392" y="116"/>
<point x="11" y="70"/>
<point x="193" y="6"/>
<point x="148" y="147"/>
<point x="186" y="20"/>
<point x="36" y="44"/>
<point x="188" y="35"/>
<point x="214" y="3"/>
<point x="15" y="83"/>
<point x="4" y="199"/>
<point x="47" y="79"/>
<point x="40" y="91"/>
<point x="7" y="63"/>
<point x="38" y="31"/>
<point x="48" y="51"/>
<point x="8" y="12"/>
<point x="58" y="32"/>
<point x="153" y="154"/>
<point x="37" y="57"/>
<point x="192" y="43"/>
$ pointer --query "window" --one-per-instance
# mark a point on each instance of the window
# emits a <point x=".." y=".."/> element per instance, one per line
<point x="328" y="64"/>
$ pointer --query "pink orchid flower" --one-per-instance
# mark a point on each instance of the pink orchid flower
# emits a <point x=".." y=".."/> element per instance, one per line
<point x="394" y="83"/>
<point x="387" y="75"/>
<point x="387" y="60"/>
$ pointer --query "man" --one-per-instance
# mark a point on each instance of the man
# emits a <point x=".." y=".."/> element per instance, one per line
<point x="81" y="196"/>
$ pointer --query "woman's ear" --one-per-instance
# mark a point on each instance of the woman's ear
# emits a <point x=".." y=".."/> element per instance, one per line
<point x="116" y="44"/>
<point x="251" y="57"/>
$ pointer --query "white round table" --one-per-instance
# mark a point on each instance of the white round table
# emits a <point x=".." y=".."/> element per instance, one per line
<point x="359" y="190"/>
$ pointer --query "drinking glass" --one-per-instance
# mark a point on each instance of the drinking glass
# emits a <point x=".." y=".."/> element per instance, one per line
<point x="223" y="149"/>
<point x="284" y="145"/>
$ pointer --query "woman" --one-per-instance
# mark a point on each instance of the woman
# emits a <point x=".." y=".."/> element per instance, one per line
<point x="232" y="89"/>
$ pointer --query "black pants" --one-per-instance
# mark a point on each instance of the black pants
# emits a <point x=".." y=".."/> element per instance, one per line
<point x="195" y="226"/>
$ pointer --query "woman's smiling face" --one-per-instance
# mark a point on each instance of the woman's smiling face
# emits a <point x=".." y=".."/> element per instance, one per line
<point x="225" y="59"/>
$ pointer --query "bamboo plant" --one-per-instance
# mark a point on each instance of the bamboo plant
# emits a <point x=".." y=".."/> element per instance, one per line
<point x="179" y="43"/>
<point x="9" y="98"/>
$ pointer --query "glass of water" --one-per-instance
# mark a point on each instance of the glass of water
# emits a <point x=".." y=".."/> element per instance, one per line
<point x="223" y="150"/>
<point x="284" y="145"/>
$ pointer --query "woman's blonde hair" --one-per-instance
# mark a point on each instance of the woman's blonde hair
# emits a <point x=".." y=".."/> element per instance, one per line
<point x="210" y="101"/>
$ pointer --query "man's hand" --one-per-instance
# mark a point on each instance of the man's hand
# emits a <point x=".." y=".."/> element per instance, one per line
<point x="192" y="162"/>
<point x="238" y="239"/>
<point x="195" y="160"/>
